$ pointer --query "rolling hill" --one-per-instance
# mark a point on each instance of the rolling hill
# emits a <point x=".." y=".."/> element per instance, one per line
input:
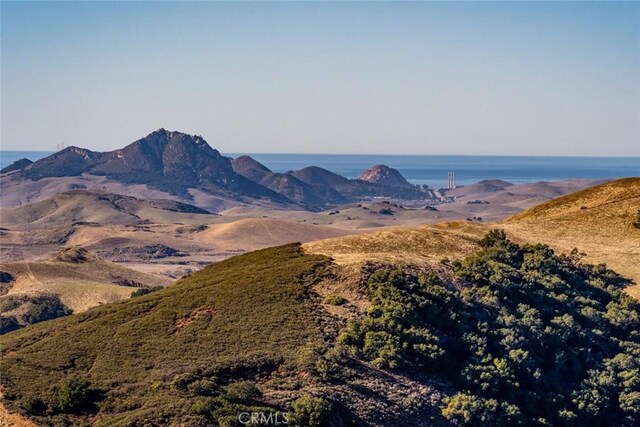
<point x="425" y="245"/>
<point x="97" y="207"/>
<point x="597" y="221"/>
<point x="81" y="279"/>
<point x="254" y="233"/>
<point x="212" y="334"/>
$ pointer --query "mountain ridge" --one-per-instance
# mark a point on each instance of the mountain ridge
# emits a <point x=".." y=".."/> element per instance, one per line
<point x="181" y="165"/>
<point x="167" y="160"/>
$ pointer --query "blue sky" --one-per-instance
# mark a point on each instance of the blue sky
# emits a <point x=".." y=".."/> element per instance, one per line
<point x="397" y="78"/>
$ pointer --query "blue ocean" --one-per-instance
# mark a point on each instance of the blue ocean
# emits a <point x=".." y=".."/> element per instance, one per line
<point x="432" y="170"/>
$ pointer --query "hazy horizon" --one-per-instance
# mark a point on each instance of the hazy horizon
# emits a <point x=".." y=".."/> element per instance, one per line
<point x="271" y="153"/>
<point x="508" y="79"/>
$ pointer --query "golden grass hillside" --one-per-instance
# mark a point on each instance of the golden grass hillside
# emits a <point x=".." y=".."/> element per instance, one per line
<point x="254" y="233"/>
<point x="422" y="245"/>
<point x="80" y="279"/>
<point x="598" y="221"/>
<point x="100" y="208"/>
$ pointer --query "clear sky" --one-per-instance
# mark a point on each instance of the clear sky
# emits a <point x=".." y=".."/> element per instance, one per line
<point x="398" y="78"/>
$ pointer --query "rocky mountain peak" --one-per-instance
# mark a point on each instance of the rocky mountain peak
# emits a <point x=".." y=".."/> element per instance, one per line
<point x="384" y="175"/>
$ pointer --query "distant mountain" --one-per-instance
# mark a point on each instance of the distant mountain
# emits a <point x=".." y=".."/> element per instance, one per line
<point x="250" y="168"/>
<point x="384" y="175"/>
<point x="173" y="162"/>
<point x="168" y="164"/>
<point x="486" y="186"/>
<point x="315" y="175"/>
<point x="356" y="189"/>
<point x="17" y="165"/>
<point x="311" y="196"/>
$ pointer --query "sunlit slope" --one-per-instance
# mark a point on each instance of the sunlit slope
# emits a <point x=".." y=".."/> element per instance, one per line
<point x="598" y="221"/>
<point x="423" y="245"/>
<point x="99" y="207"/>
<point x="81" y="279"/>
<point x="257" y="233"/>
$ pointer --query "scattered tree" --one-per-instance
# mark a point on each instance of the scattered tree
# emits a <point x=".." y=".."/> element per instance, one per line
<point x="310" y="411"/>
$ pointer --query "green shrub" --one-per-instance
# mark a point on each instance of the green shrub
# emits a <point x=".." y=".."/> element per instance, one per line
<point x="335" y="300"/>
<point x="45" y="307"/>
<point x="242" y="391"/>
<point x="203" y="387"/>
<point x="204" y="406"/>
<point x="73" y="396"/>
<point x="144" y="291"/>
<point x="310" y="411"/>
<point x="8" y="324"/>
<point x="182" y="381"/>
<point x="636" y="223"/>
<point x="525" y="336"/>
<point x="32" y="405"/>
<point x="493" y="238"/>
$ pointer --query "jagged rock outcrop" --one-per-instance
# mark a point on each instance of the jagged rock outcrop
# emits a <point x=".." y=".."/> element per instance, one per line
<point x="384" y="175"/>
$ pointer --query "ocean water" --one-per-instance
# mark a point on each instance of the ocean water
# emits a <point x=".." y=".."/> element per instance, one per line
<point x="432" y="170"/>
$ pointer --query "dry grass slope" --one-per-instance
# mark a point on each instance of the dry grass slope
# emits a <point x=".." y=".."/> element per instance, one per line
<point x="597" y="221"/>
<point x="424" y="245"/>
<point x="257" y="233"/>
<point x="80" y="283"/>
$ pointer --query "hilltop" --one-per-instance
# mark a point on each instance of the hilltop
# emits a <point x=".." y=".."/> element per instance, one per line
<point x="311" y="196"/>
<point x="255" y="233"/>
<point x="357" y="189"/>
<point x="597" y="221"/>
<point x="17" y="165"/>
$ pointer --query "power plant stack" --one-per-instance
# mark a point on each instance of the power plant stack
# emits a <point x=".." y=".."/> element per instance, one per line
<point x="451" y="180"/>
